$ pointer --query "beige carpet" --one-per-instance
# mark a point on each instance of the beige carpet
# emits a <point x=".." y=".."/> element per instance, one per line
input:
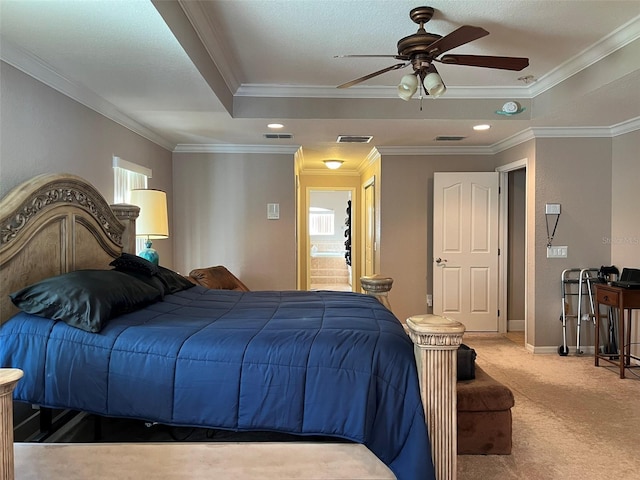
<point x="571" y="420"/>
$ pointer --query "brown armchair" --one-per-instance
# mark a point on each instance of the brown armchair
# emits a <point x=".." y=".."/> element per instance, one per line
<point x="217" y="278"/>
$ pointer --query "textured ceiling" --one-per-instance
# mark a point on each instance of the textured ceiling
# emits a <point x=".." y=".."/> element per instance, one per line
<point x="211" y="74"/>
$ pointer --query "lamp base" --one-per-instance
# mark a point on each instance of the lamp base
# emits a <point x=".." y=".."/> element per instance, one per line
<point x="149" y="253"/>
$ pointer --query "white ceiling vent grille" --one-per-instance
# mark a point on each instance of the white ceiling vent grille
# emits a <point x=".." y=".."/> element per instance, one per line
<point x="278" y="136"/>
<point x="449" y="138"/>
<point x="354" y="138"/>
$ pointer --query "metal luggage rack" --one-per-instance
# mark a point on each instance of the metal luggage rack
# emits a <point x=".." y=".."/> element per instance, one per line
<point x="577" y="282"/>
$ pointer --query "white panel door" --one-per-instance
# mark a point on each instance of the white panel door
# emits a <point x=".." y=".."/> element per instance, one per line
<point x="465" y="248"/>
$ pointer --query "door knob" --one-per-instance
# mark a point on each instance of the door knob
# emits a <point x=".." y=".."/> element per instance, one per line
<point x="440" y="260"/>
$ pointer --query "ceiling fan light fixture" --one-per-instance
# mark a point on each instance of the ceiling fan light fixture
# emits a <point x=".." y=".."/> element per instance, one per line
<point x="333" y="164"/>
<point x="434" y="85"/>
<point x="408" y="87"/>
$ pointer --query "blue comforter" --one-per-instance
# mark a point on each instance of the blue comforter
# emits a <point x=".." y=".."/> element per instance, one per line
<point x="308" y="363"/>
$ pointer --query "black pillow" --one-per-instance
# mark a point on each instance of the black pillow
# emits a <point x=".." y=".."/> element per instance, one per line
<point x="132" y="263"/>
<point x="85" y="299"/>
<point x="173" y="282"/>
<point x="151" y="280"/>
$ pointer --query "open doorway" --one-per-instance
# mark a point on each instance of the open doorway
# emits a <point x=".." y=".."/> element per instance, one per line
<point x="513" y="244"/>
<point x="329" y="220"/>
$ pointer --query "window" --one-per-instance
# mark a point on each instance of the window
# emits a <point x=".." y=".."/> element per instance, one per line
<point x="126" y="177"/>
<point x="321" y="221"/>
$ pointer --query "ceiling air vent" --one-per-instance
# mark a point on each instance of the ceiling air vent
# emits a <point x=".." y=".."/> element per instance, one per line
<point x="354" y="138"/>
<point x="277" y="136"/>
<point x="449" y="138"/>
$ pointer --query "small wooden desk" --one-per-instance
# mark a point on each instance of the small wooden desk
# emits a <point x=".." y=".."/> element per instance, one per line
<point x="625" y="300"/>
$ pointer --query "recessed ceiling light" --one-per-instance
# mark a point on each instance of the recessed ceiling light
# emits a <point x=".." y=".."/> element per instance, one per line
<point x="482" y="127"/>
<point x="275" y="125"/>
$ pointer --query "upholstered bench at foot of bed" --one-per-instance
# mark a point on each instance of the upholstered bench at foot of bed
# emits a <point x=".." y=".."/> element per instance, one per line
<point x="484" y="416"/>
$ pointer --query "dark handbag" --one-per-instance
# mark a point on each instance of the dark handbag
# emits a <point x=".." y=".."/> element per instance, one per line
<point x="466" y="362"/>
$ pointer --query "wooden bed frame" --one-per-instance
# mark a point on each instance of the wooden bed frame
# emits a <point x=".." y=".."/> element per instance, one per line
<point x="57" y="223"/>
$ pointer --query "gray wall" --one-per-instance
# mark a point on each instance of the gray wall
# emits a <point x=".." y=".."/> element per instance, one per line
<point x="44" y="131"/>
<point x="220" y="208"/>
<point x="577" y="174"/>
<point x="516" y="245"/>
<point x="624" y="238"/>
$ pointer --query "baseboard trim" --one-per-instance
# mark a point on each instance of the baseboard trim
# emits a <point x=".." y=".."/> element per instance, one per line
<point x="554" y="349"/>
<point x="515" y="325"/>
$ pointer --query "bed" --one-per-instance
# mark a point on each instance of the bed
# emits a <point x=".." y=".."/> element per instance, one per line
<point x="309" y="363"/>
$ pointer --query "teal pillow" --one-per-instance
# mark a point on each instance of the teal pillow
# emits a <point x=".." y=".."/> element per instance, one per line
<point x="85" y="299"/>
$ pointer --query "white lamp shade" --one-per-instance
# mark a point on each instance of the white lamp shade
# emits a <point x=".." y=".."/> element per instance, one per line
<point x="434" y="85"/>
<point x="152" y="222"/>
<point x="407" y="87"/>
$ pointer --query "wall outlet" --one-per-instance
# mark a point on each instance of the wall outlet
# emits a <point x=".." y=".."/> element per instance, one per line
<point x="557" y="252"/>
<point x="429" y="300"/>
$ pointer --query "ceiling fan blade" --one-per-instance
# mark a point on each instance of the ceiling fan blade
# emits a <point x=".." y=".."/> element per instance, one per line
<point x="371" y="75"/>
<point x="503" y="63"/>
<point x="460" y="36"/>
<point x="399" y="57"/>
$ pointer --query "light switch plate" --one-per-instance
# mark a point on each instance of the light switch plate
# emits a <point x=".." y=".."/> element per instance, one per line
<point x="273" y="211"/>
<point x="557" y="252"/>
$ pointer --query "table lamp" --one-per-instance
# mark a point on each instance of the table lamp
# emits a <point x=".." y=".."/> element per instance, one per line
<point x="152" y="223"/>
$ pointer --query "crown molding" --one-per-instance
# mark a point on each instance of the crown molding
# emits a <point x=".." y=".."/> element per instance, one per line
<point x="425" y="150"/>
<point x="619" y="38"/>
<point x="520" y="137"/>
<point x="616" y="40"/>
<point x="628" y="126"/>
<point x="513" y="140"/>
<point x="367" y="91"/>
<point x="41" y="71"/>
<point x="236" y="148"/>
<point x="372" y="157"/>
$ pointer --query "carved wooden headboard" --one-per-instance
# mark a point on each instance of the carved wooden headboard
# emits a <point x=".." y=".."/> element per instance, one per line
<point x="57" y="223"/>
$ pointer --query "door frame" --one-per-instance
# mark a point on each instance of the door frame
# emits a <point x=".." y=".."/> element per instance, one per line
<point x="503" y="243"/>
<point x="370" y="183"/>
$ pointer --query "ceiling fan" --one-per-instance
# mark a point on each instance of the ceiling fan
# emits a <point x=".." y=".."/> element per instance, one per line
<point x="422" y="49"/>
